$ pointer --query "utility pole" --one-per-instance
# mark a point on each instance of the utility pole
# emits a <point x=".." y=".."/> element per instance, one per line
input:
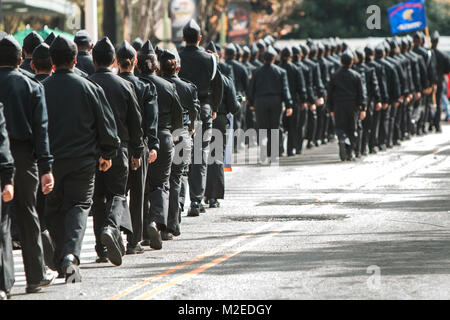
<point x="91" y="19"/>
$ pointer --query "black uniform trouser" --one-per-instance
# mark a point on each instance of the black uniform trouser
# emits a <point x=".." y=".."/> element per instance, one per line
<point x="180" y="163"/>
<point x="302" y="120"/>
<point x="366" y="129"/>
<point x="321" y="123"/>
<point x="110" y="202"/>
<point x="6" y="252"/>
<point x="425" y="114"/>
<point x="392" y="121"/>
<point x="437" y="116"/>
<point x="384" y="126"/>
<point x="215" y="179"/>
<point x="407" y="117"/>
<point x="374" y="130"/>
<point x="397" y="133"/>
<point x="417" y="113"/>
<point x="67" y="206"/>
<point x="158" y="186"/>
<point x="293" y="130"/>
<point x="26" y="183"/>
<point x="346" y="122"/>
<point x="312" y="125"/>
<point x="136" y="189"/>
<point x="198" y="167"/>
<point x="268" y="117"/>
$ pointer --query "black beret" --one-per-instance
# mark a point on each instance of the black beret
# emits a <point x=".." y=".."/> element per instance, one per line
<point x="104" y="45"/>
<point x="270" y="53"/>
<point x="42" y="51"/>
<point x="50" y="39"/>
<point x="230" y="49"/>
<point x="379" y="50"/>
<point x="296" y="50"/>
<point x="9" y="41"/>
<point x="347" y="57"/>
<point x="82" y="38"/>
<point x="126" y="51"/>
<point x="62" y="45"/>
<point x="313" y="49"/>
<point x="211" y="47"/>
<point x="147" y="48"/>
<point x="31" y="41"/>
<point x="137" y="44"/>
<point x="192" y="26"/>
<point x="261" y="44"/>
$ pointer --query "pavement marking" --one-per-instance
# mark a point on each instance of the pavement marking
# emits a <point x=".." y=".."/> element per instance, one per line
<point x="187" y="263"/>
<point x="206" y="266"/>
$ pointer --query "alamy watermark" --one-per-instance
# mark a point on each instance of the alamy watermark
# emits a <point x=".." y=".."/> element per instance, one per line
<point x="373" y="22"/>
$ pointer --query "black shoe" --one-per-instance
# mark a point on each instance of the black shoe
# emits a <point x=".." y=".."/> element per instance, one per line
<point x="342" y="150"/>
<point x="324" y="141"/>
<point x="48" y="280"/>
<point x="113" y="251"/>
<point x="397" y="143"/>
<point x="298" y="152"/>
<point x="316" y="143"/>
<point x="383" y="147"/>
<point x="49" y="250"/>
<point x="373" y="151"/>
<point x="70" y="269"/>
<point x="194" y="210"/>
<point x="101" y="259"/>
<point x="155" y="236"/>
<point x="213" y="203"/>
<point x="166" y="236"/>
<point x="134" y="249"/>
<point x="202" y="208"/>
<point x="310" y="145"/>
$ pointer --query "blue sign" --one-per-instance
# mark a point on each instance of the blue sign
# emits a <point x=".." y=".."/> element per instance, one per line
<point x="408" y="16"/>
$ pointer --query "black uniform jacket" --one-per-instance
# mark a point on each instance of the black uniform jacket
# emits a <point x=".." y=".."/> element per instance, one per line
<point x="346" y="90"/>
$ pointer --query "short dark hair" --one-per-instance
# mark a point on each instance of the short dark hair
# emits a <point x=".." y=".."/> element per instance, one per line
<point x="9" y="56"/>
<point x="125" y="63"/>
<point x="43" y="64"/>
<point x="147" y="63"/>
<point x="191" y="36"/>
<point x="62" y="57"/>
<point x="168" y="67"/>
<point x="103" y="59"/>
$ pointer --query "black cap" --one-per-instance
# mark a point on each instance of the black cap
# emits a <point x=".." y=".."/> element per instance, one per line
<point x="347" y="57"/>
<point x="369" y="50"/>
<point x="270" y="53"/>
<point x="147" y="48"/>
<point x="304" y="48"/>
<point x="126" y="51"/>
<point x="286" y="52"/>
<point x="137" y="44"/>
<point x="166" y="55"/>
<point x="158" y="51"/>
<point x="192" y="26"/>
<point x="254" y="49"/>
<point x="295" y="50"/>
<point x="312" y="50"/>
<point x="218" y="47"/>
<point x="31" y="41"/>
<point x="230" y="49"/>
<point x="360" y="54"/>
<point x="309" y="42"/>
<point x="261" y="44"/>
<point x="211" y="47"/>
<point x="246" y="50"/>
<point x="379" y="50"/>
<point x="42" y="51"/>
<point x="50" y="39"/>
<point x="9" y="41"/>
<point x="435" y="36"/>
<point x="82" y="37"/>
<point x="104" y="45"/>
<point x="62" y="45"/>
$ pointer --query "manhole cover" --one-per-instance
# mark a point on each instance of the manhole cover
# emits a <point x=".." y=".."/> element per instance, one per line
<point x="300" y="217"/>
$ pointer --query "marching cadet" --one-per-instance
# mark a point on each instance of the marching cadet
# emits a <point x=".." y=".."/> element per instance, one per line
<point x="111" y="212"/>
<point x="297" y="89"/>
<point x="394" y="92"/>
<point x="30" y="42"/>
<point x="382" y="84"/>
<point x="187" y="92"/>
<point x="41" y="62"/>
<point x="254" y="56"/>
<point x="82" y="131"/>
<point x="148" y="103"/>
<point x="346" y="100"/>
<point x="215" y="179"/>
<point x="26" y="122"/>
<point x="7" y="181"/>
<point x="200" y="68"/>
<point x="170" y="118"/>
<point x="268" y="90"/>
<point x="442" y="67"/>
<point x="246" y="60"/>
<point x="84" y="58"/>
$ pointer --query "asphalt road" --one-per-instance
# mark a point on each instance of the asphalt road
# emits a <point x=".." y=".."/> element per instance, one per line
<point x="311" y="228"/>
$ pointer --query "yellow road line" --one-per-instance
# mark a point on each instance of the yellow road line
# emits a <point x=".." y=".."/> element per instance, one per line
<point x="187" y="263"/>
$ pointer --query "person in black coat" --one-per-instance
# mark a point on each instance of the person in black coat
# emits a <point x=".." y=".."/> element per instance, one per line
<point x="84" y="58"/>
<point x="269" y="89"/>
<point x="41" y="62"/>
<point x="6" y="181"/>
<point x="346" y="100"/>
<point x="111" y="212"/>
<point x="27" y="125"/>
<point x="200" y="68"/>
<point x="148" y="103"/>
<point x="170" y="118"/>
<point x="30" y="42"/>
<point x="82" y="132"/>
<point x="187" y="91"/>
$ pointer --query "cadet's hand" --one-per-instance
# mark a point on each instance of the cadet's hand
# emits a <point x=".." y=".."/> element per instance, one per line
<point x="385" y="106"/>
<point x="191" y="132"/>
<point x="47" y="182"/>
<point x="104" y="165"/>
<point x="332" y="114"/>
<point x="418" y="95"/>
<point x="396" y="104"/>
<point x="427" y="91"/>
<point x="304" y="106"/>
<point x="153" y="155"/>
<point x="214" y="115"/>
<point x="312" y="107"/>
<point x="362" y="115"/>
<point x="251" y="108"/>
<point x="320" y="102"/>
<point x="378" y="106"/>
<point x="135" y="163"/>
<point x="289" y="112"/>
<point x="8" y="193"/>
<point x="401" y="99"/>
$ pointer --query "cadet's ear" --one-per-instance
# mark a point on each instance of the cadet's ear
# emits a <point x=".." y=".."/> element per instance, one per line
<point x="178" y="68"/>
<point x="20" y="61"/>
<point x="200" y="39"/>
<point x="135" y="61"/>
<point x="32" y="66"/>
<point x="74" y="62"/>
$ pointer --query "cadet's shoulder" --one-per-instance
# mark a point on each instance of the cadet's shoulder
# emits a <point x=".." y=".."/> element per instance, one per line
<point x="189" y="83"/>
<point x="354" y="73"/>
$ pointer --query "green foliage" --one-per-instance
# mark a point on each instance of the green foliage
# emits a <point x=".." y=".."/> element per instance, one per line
<point x="347" y="18"/>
